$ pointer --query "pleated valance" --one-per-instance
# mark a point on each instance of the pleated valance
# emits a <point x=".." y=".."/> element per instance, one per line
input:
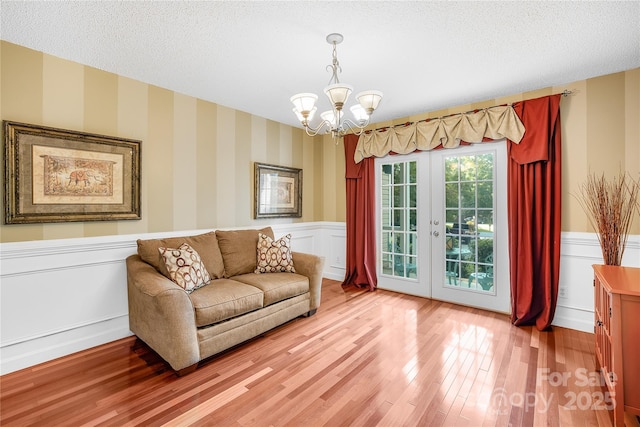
<point x="492" y="123"/>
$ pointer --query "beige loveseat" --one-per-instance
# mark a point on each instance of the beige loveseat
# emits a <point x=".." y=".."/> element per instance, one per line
<point x="238" y="304"/>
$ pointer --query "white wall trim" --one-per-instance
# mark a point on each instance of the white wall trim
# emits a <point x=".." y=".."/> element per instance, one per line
<point x="48" y="347"/>
<point x="58" y="297"/>
<point x="77" y="297"/>
<point x="578" y="252"/>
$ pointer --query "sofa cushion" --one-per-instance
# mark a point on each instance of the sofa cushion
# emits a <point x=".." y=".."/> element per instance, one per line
<point x="238" y="249"/>
<point x="185" y="267"/>
<point x="276" y="286"/>
<point x="274" y="256"/>
<point x="205" y="244"/>
<point x="224" y="299"/>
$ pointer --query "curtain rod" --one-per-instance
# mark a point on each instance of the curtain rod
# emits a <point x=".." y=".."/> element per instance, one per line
<point x="565" y="93"/>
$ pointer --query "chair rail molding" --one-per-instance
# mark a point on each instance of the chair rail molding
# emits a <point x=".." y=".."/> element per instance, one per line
<point x="58" y="297"/>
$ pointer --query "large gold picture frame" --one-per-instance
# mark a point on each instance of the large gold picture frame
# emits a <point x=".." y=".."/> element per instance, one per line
<point x="278" y="191"/>
<point x="57" y="175"/>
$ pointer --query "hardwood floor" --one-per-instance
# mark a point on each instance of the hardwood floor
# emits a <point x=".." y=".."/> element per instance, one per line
<point x="365" y="359"/>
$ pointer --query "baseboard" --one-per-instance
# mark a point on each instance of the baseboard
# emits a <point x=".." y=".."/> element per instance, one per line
<point x="574" y="318"/>
<point x="32" y="352"/>
<point x="334" y="276"/>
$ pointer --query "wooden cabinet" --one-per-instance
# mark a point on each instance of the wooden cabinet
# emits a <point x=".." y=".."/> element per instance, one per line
<point x="617" y="330"/>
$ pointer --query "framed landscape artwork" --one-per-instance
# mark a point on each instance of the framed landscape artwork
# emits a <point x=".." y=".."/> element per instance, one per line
<point x="278" y="191"/>
<point x="56" y="175"/>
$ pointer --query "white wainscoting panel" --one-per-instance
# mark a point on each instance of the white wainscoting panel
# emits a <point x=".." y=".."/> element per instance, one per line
<point x="327" y="239"/>
<point x="61" y="296"/>
<point x="58" y="297"/>
<point x="336" y="249"/>
<point x="578" y="253"/>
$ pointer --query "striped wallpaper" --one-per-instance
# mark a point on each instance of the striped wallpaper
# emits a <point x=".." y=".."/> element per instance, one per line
<point x="197" y="156"/>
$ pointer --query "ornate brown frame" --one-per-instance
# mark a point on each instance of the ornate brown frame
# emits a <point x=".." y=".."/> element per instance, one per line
<point x="22" y="187"/>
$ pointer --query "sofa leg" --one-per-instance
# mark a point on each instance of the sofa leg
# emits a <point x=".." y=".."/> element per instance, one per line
<point x="311" y="312"/>
<point x="189" y="369"/>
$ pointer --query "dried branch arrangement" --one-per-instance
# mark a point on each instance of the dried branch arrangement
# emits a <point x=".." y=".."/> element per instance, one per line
<point x="610" y="205"/>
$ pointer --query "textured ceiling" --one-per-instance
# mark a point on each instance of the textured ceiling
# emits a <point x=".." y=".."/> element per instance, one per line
<point x="252" y="56"/>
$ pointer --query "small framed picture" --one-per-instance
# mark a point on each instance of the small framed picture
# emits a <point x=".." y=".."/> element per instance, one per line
<point x="278" y="191"/>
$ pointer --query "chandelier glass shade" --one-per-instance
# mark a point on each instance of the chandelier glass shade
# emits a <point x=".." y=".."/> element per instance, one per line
<point x="338" y="93"/>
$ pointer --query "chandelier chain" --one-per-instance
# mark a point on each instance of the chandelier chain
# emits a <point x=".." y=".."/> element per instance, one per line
<point x="334" y="66"/>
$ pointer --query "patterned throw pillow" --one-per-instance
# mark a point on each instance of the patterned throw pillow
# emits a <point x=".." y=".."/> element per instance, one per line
<point x="274" y="256"/>
<point x="185" y="267"/>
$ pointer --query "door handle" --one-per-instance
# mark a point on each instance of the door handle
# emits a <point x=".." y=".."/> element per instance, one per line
<point x="435" y="233"/>
<point x="436" y="222"/>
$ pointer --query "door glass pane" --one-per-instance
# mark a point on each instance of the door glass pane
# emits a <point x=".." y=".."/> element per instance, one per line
<point x="452" y="194"/>
<point x="398" y="219"/>
<point x="413" y="219"/>
<point x="469" y="204"/>
<point x="386" y="241"/>
<point x="467" y="168"/>
<point x="452" y="217"/>
<point x="468" y="194"/>
<point x="485" y="167"/>
<point x="485" y="194"/>
<point x="387" y="264"/>
<point x="386" y="197"/>
<point x="413" y="244"/>
<point x="385" y="217"/>
<point x="398" y="196"/>
<point x="413" y="199"/>
<point x="398" y="173"/>
<point x="451" y="170"/>
<point x="413" y="172"/>
<point x="399" y="214"/>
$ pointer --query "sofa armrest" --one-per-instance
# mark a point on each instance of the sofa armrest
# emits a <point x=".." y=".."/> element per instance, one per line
<point x="310" y="266"/>
<point x="161" y="314"/>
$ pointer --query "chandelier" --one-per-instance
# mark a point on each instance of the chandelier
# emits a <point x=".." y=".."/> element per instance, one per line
<point x="333" y="120"/>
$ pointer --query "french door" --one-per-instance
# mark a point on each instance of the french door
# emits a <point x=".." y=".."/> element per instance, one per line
<point x="403" y="252"/>
<point x="441" y="225"/>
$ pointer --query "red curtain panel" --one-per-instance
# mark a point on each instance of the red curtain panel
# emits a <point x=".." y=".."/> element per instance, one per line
<point x="534" y="209"/>
<point x="361" y="229"/>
